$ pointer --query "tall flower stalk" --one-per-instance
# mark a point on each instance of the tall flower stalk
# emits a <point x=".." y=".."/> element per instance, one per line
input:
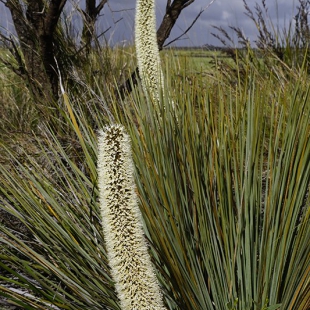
<point x="135" y="281"/>
<point x="147" y="49"/>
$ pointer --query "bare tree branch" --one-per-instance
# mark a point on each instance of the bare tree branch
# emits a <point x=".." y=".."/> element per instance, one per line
<point x="193" y="22"/>
<point x="173" y="11"/>
<point x="100" y="6"/>
<point x="187" y="4"/>
<point x="91" y="14"/>
<point x="53" y="15"/>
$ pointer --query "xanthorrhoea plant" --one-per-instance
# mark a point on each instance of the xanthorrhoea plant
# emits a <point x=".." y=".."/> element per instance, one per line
<point x="147" y="49"/>
<point x="132" y="271"/>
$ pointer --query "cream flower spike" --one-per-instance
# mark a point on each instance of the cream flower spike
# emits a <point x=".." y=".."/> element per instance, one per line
<point x="147" y="49"/>
<point x="135" y="280"/>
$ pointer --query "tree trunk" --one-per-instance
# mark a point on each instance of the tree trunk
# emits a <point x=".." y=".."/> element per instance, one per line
<point x="90" y="16"/>
<point x="35" y="26"/>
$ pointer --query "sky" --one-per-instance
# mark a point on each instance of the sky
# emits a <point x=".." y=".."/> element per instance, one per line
<point x="119" y="15"/>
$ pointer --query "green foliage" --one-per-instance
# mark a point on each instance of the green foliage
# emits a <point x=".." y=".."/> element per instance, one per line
<point x="62" y="260"/>
<point x="17" y="112"/>
<point x="223" y="174"/>
<point x="222" y="186"/>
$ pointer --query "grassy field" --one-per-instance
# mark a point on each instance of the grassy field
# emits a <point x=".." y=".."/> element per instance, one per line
<point x="194" y="60"/>
<point x="19" y="114"/>
<point x="222" y="173"/>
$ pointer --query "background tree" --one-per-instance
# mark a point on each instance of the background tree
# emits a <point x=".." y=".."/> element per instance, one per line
<point x="43" y="40"/>
<point x="35" y="23"/>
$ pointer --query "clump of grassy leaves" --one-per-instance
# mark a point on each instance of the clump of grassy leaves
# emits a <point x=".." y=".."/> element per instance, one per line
<point x="223" y="186"/>
<point x="223" y="174"/>
<point x="62" y="262"/>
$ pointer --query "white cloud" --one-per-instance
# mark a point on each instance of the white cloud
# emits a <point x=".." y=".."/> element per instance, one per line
<point x="226" y="15"/>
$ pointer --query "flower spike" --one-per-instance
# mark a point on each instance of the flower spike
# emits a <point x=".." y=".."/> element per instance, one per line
<point x="135" y="280"/>
<point x="147" y="49"/>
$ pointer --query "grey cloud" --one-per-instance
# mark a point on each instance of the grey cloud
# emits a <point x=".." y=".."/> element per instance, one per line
<point x="119" y="15"/>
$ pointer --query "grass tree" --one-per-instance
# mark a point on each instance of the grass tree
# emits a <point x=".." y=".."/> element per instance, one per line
<point x="223" y="188"/>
